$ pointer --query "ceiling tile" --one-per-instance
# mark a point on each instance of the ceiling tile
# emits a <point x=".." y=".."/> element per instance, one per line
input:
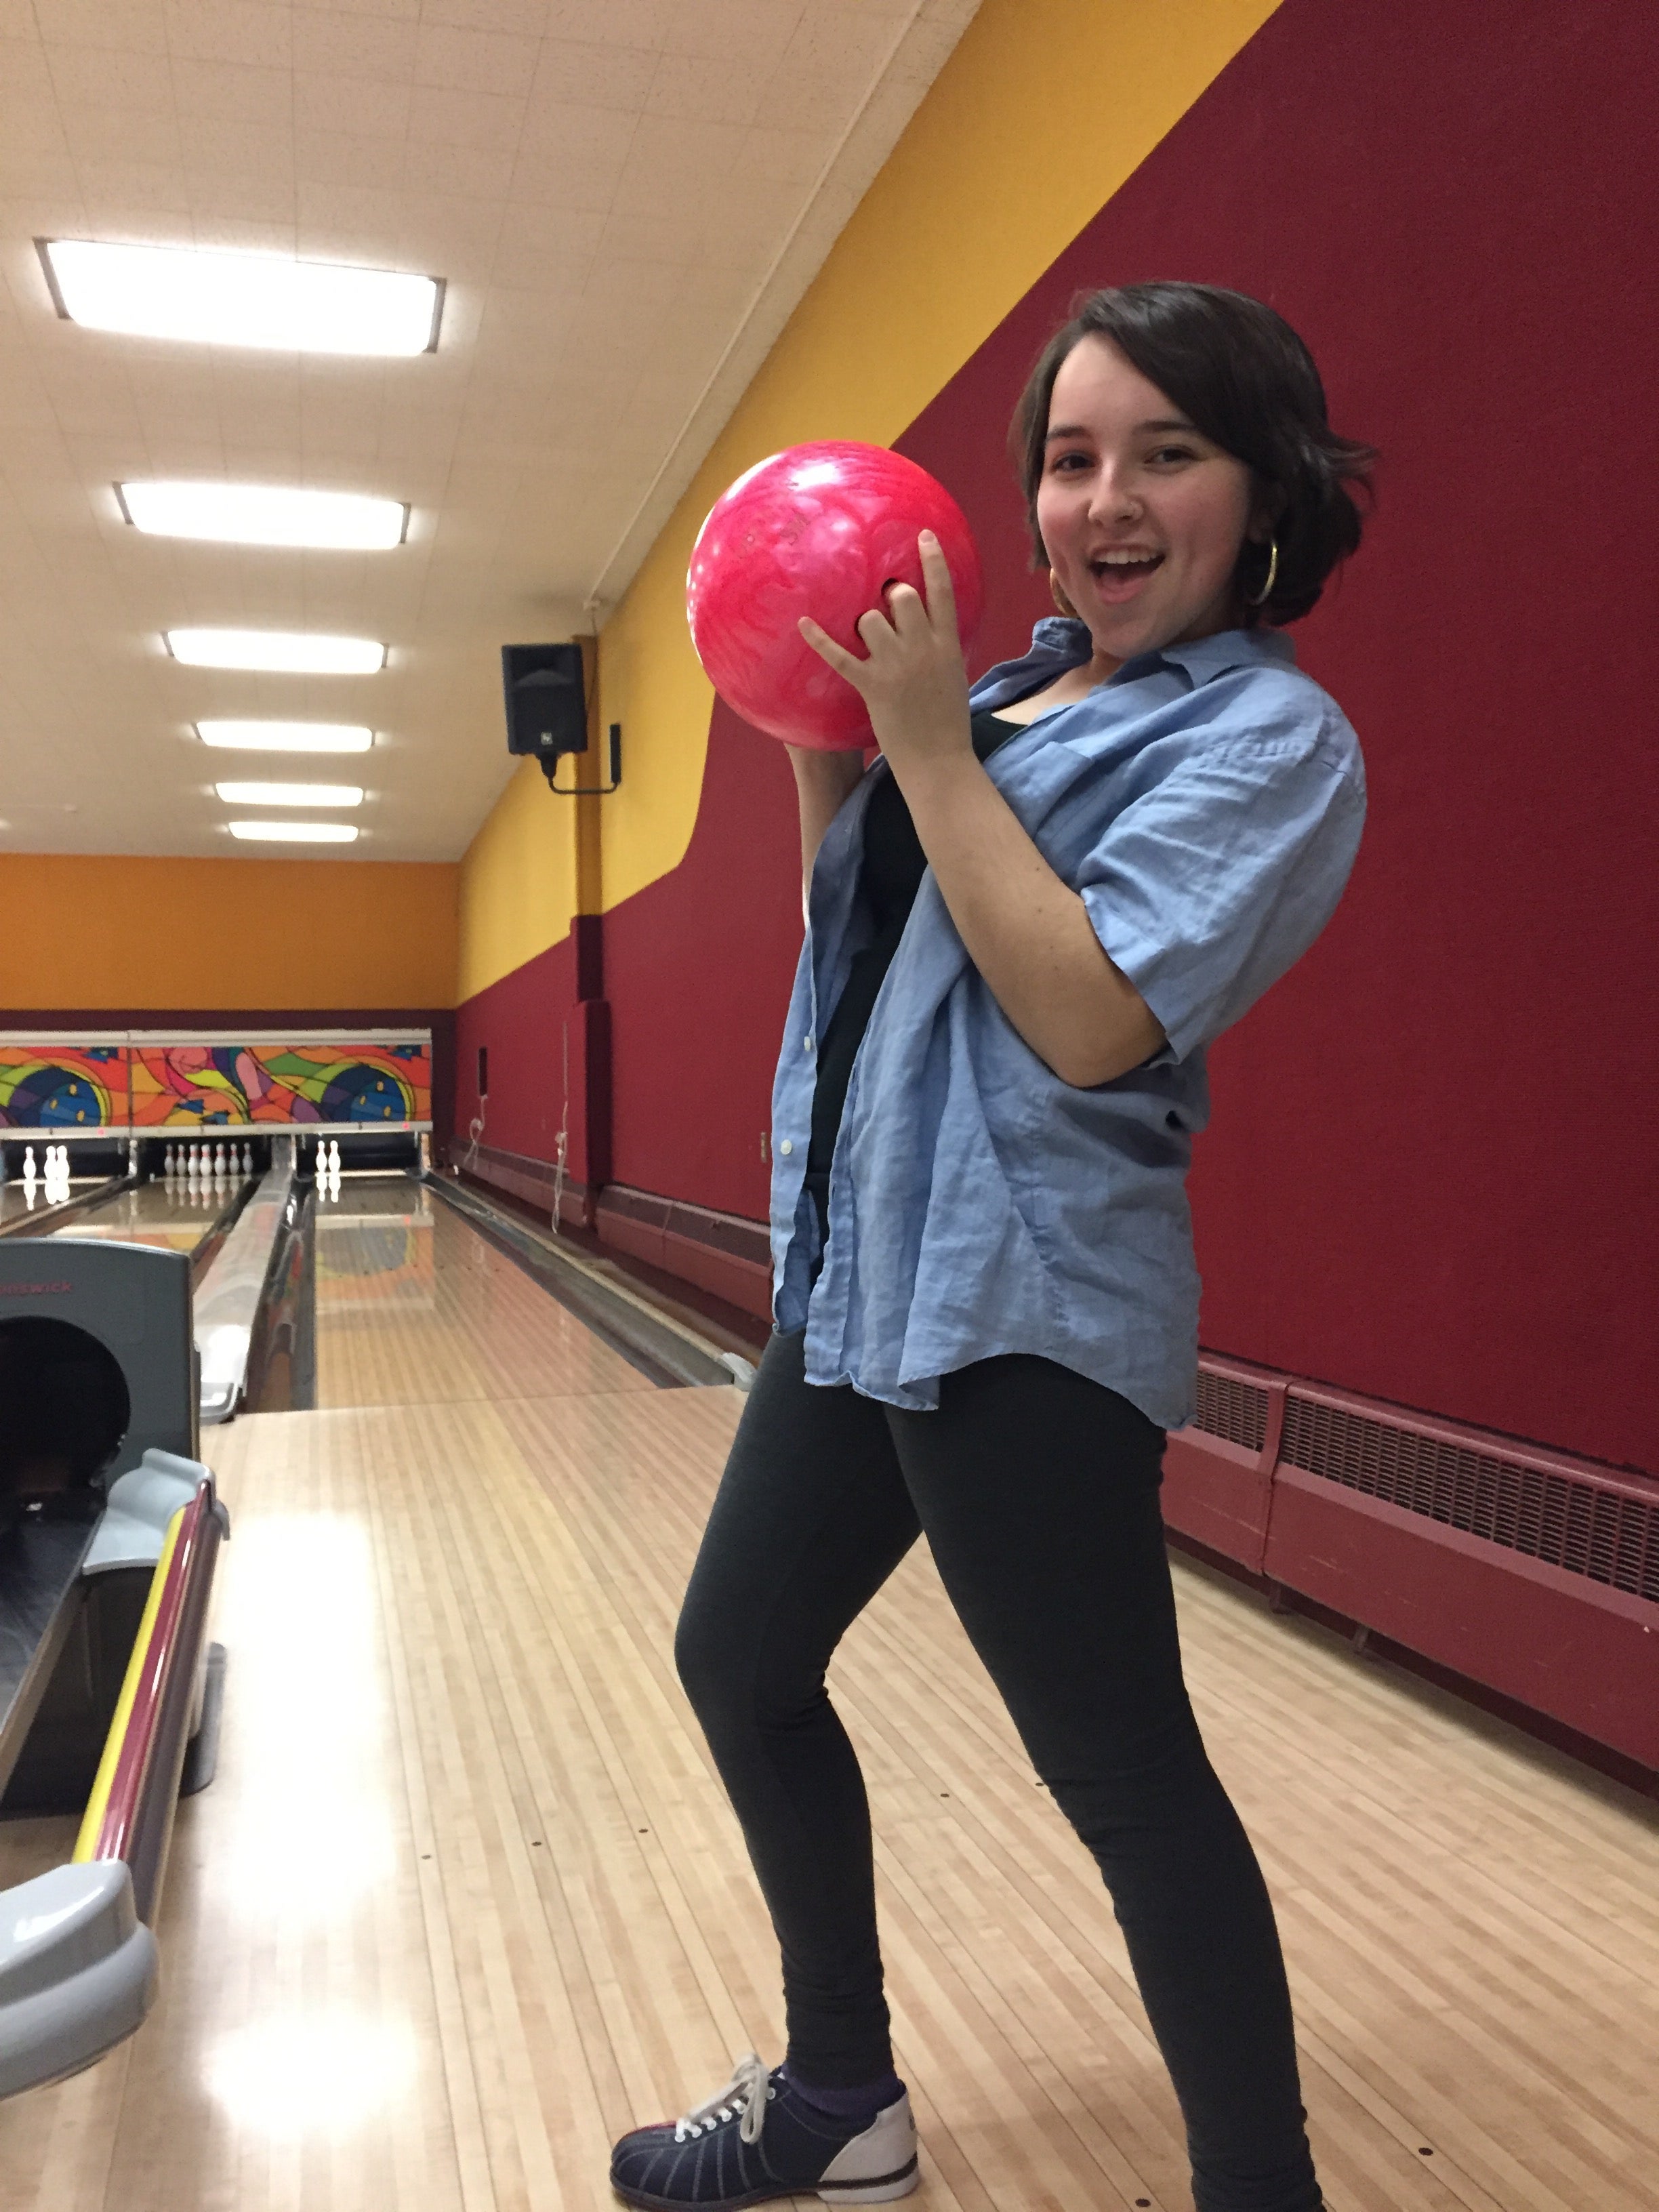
<point x="525" y="18"/>
<point x="119" y="134"/>
<point x="575" y="159"/>
<point x="230" y="31"/>
<point x="448" y="117"/>
<point x="467" y="171"/>
<point x="724" y="88"/>
<point x="337" y="157"/>
<point x="355" y="45"/>
<point x="756" y="29"/>
<point x="237" y="154"/>
<point x="646" y="23"/>
<point x="322" y="103"/>
<point x="586" y="76"/>
<point x="131" y="26"/>
<point x="667" y="153"/>
<point x="475" y="61"/>
<point x="783" y="157"/>
<point x="232" y="91"/>
<point x="94" y="79"/>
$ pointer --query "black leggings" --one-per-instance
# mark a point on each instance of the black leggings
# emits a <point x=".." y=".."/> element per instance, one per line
<point x="1037" y="1490"/>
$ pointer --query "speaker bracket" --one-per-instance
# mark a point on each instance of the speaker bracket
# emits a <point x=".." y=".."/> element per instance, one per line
<point x="550" y="770"/>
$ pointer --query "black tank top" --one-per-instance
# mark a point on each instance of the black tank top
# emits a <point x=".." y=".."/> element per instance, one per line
<point x="889" y="876"/>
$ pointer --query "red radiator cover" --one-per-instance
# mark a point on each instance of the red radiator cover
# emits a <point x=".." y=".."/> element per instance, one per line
<point x="1531" y="1573"/>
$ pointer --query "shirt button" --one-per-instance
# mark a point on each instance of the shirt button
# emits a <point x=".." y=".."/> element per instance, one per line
<point x="807" y="1044"/>
<point x="785" y="1148"/>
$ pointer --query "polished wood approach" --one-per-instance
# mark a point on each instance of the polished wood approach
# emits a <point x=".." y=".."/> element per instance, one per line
<point x="413" y="1306"/>
<point x="465" y="1901"/>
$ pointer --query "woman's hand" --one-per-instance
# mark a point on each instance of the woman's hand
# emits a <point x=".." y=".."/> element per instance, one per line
<point x="1028" y="933"/>
<point x="913" y="683"/>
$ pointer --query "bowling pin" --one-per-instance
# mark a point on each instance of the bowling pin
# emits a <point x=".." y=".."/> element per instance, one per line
<point x="28" y="1163"/>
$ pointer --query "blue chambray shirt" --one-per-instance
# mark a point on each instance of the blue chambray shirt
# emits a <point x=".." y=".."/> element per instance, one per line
<point x="1207" y="804"/>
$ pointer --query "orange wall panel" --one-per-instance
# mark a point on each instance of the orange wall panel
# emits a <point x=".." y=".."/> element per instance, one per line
<point x="128" y="933"/>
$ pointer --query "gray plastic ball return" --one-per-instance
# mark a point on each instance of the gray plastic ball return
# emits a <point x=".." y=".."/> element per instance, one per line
<point x="109" y="1532"/>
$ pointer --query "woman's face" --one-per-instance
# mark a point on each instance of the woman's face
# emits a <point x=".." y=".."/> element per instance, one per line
<point x="1142" y="515"/>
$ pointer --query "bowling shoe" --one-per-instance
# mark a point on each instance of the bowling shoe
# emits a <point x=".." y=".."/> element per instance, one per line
<point x="758" y="2138"/>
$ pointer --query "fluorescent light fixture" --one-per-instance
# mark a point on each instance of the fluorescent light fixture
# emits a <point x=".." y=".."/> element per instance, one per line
<point x="287" y="737"/>
<point x="297" y="833"/>
<point x="289" y="794"/>
<point x="299" y="653"/>
<point x="241" y="298"/>
<point x="264" y="514"/>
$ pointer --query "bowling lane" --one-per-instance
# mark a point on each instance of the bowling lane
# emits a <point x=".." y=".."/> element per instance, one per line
<point x="19" y="1200"/>
<point x="174" y="1217"/>
<point x="413" y="1308"/>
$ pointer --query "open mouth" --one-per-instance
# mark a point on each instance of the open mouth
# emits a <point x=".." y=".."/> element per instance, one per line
<point x="1117" y="577"/>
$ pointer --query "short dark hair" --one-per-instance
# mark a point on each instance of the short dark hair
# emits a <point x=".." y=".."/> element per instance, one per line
<point x="1241" y="376"/>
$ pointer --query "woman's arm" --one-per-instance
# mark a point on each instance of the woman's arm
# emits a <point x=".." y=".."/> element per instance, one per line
<point x="1028" y="933"/>
<point x="823" y="781"/>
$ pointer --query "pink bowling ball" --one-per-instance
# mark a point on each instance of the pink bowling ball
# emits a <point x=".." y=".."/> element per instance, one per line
<point x="819" y="530"/>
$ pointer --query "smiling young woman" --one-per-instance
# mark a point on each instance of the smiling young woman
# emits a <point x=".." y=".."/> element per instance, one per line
<point x="1024" y="925"/>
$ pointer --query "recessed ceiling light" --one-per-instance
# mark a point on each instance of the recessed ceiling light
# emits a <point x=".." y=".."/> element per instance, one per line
<point x="297" y="833"/>
<point x="241" y="298"/>
<point x="289" y="794"/>
<point x="287" y="737"/>
<point x="264" y="514"/>
<point x="302" y="653"/>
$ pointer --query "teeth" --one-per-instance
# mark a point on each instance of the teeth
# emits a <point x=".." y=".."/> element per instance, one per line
<point x="1125" y="560"/>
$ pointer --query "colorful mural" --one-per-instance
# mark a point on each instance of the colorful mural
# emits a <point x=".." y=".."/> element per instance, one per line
<point x="56" y="1087"/>
<point x="148" y="1082"/>
<point x="207" y="1086"/>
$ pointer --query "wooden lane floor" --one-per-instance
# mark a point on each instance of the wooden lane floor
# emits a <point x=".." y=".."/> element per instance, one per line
<point x="413" y="1308"/>
<point x="173" y="1216"/>
<point x="465" y="1901"/>
<point x="19" y="1200"/>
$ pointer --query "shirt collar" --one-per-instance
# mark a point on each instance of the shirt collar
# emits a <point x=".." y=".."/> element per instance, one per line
<point x="1213" y="656"/>
<point x="1058" y="643"/>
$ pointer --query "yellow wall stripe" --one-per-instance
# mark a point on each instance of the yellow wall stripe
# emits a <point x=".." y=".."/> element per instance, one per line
<point x="1043" y="111"/>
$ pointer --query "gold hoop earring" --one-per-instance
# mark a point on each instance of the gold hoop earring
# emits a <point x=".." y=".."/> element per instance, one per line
<point x="1266" y="592"/>
<point x="1063" y="605"/>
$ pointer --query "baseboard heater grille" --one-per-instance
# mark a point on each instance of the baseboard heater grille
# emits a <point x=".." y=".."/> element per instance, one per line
<point x="1230" y="1407"/>
<point x="1528" y="1571"/>
<point x="1574" y="1523"/>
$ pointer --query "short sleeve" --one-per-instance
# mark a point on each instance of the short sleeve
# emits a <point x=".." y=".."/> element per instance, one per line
<point x="1209" y="886"/>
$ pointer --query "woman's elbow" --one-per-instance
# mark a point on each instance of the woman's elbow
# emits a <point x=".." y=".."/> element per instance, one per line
<point x="1084" y="1063"/>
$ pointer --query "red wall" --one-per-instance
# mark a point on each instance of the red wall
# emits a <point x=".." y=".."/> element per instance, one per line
<point x="1430" y="1175"/>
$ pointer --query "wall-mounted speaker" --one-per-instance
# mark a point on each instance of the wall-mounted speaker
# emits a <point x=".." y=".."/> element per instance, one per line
<point x="546" y="703"/>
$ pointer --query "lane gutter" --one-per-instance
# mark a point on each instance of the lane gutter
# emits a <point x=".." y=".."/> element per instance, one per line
<point x="664" y="1351"/>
